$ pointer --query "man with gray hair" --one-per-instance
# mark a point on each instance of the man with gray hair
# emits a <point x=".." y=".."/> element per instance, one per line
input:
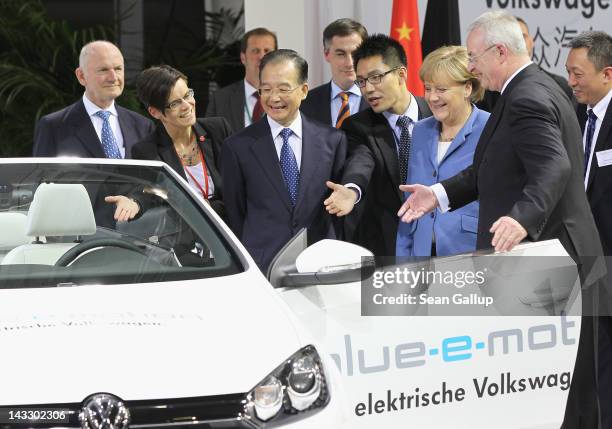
<point x="589" y="68"/>
<point x="95" y="126"/>
<point x="527" y="174"/>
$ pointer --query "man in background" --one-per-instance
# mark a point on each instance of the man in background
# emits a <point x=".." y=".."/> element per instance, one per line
<point x="239" y="102"/>
<point x="589" y="67"/>
<point x="95" y="126"/>
<point x="561" y="81"/>
<point x="334" y="101"/>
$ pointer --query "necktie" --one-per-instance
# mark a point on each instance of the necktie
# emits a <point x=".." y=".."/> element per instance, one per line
<point x="109" y="144"/>
<point x="289" y="166"/>
<point x="590" y="131"/>
<point x="404" y="146"/>
<point x="258" y="109"/>
<point x="345" y="109"/>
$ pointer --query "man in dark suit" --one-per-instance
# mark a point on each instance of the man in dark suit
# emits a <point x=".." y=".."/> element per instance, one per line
<point x="379" y="143"/>
<point x="95" y="126"/>
<point x="274" y="171"/>
<point x="239" y="102"/>
<point x="528" y="176"/>
<point x="589" y="66"/>
<point x="334" y="101"/>
<point x="561" y="81"/>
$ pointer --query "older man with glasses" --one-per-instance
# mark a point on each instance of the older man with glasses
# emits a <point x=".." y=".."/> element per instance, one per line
<point x="528" y="174"/>
<point x="379" y="146"/>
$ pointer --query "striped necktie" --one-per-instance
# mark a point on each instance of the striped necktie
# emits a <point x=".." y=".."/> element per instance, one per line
<point x="345" y="109"/>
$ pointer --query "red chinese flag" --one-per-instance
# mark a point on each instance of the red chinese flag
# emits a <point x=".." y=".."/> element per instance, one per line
<point x="405" y="29"/>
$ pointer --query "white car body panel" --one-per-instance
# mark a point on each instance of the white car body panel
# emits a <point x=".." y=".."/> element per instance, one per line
<point x="141" y="341"/>
<point x="365" y="348"/>
<point x="223" y="335"/>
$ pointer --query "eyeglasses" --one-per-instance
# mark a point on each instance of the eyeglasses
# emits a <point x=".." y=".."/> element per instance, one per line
<point x="375" y="79"/>
<point x="267" y="92"/>
<point x="173" y="105"/>
<point x="473" y="58"/>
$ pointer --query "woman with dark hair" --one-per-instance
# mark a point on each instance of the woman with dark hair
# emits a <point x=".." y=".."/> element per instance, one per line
<point x="190" y="146"/>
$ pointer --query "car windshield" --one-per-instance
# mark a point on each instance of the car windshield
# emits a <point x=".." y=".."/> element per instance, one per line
<point x="57" y="226"/>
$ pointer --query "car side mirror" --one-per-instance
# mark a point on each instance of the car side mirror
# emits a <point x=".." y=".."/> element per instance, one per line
<point x="325" y="262"/>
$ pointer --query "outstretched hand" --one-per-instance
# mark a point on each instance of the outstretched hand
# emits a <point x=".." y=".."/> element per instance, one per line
<point x="421" y="200"/>
<point x="126" y="208"/>
<point x="341" y="201"/>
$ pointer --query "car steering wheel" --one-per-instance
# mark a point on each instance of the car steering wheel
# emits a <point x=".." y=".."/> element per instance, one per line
<point x="76" y="251"/>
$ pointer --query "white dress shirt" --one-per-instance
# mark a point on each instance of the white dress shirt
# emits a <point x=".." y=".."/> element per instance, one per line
<point x="412" y="111"/>
<point x="97" y="122"/>
<point x="600" y="111"/>
<point x="295" y="140"/>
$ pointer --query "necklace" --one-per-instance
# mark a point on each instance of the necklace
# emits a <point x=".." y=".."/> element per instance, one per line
<point x="198" y="156"/>
<point x="190" y="154"/>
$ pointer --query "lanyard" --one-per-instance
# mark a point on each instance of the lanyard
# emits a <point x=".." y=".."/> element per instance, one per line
<point x="204" y="190"/>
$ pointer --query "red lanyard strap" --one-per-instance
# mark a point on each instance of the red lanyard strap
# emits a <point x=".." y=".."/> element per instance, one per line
<point x="204" y="190"/>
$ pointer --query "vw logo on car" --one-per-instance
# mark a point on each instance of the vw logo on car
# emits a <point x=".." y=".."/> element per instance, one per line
<point x="103" y="410"/>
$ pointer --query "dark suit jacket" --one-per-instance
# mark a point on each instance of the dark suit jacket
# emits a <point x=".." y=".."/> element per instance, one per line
<point x="599" y="182"/>
<point x="158" y="146"/>
<point x="373" y="166"/>
<point x="528" y="165"/>
<point x="317" y="104"/>
<point x="255" y="194"/>
<point x="70" y="132"/>
<point x="228" y="102"/>
<point x="491" y="97"/>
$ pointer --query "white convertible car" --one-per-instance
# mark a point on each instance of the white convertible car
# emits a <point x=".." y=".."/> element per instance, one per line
<point x="166" y="322"/>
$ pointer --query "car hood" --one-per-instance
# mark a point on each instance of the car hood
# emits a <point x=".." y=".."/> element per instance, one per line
<point x="141" y="341"/>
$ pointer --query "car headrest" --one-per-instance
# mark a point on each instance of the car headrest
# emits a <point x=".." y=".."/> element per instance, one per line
<point x="59" y="210"/>
<point x="13" y="230"/>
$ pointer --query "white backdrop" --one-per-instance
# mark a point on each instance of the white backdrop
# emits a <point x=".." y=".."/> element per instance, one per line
<point x="552" y="23"/>
<point x="299" y="24"/>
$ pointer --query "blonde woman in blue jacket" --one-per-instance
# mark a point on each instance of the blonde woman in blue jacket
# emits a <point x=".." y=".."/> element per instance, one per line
<point x="442" y="146"/>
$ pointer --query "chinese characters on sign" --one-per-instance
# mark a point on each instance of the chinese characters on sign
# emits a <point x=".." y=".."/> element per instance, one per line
<point x="547" y="49"/>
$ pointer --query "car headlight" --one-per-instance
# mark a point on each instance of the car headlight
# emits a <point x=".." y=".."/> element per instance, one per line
<point x="295" y="388"/>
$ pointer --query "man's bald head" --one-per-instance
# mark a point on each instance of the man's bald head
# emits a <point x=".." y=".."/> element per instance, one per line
<point x="101" y="71"/>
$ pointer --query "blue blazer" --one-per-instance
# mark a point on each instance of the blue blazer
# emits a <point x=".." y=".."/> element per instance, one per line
<point x="455" y="231"/>
<point x="257" y="203"/>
